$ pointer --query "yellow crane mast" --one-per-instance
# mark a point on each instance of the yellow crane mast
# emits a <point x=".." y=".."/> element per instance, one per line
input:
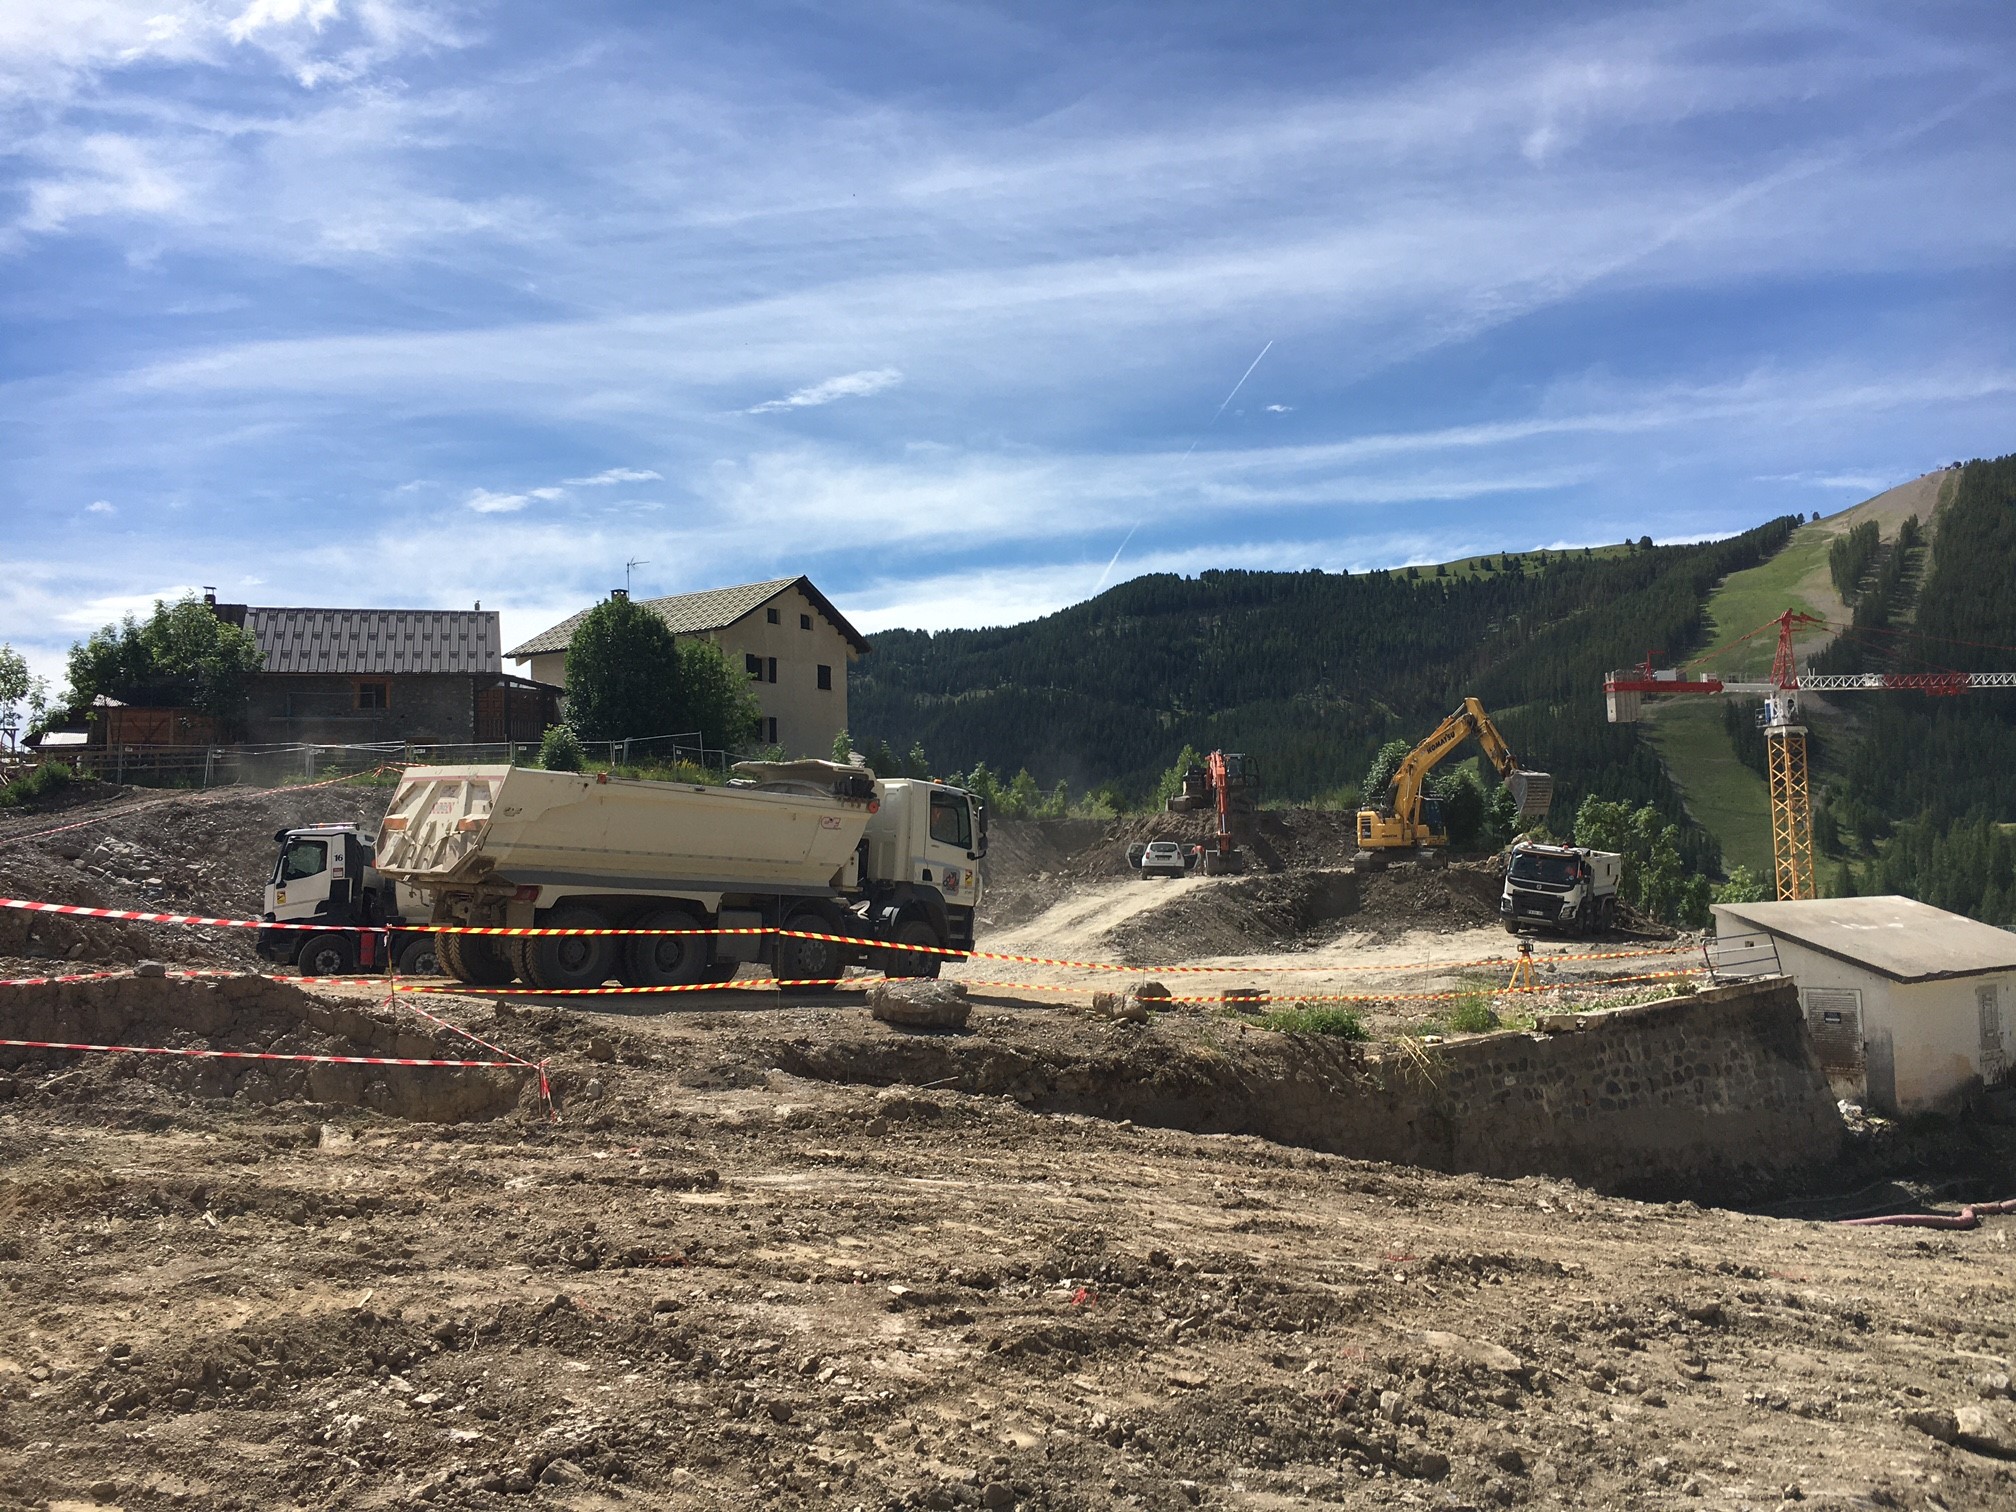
<point x="1784" y="734"/>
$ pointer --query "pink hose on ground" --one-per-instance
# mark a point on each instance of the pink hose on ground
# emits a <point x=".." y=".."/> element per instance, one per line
<point x="1968" y="1217"/>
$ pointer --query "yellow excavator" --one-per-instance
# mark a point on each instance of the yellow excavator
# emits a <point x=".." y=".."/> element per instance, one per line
<point x="1407" y="819"/>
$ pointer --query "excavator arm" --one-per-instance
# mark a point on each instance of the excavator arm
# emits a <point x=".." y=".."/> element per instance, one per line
<point x="1531" y="791"/>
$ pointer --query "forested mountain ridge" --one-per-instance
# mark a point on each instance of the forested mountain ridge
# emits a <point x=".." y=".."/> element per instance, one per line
<point x="1308" y="672"/>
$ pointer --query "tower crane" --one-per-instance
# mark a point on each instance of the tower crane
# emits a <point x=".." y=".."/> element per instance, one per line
<point x="1784" y="734"/>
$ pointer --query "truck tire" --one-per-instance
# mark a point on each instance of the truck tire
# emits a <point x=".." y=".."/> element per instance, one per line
<point x="479" y="960"/>
<point x="327" y="955"/>
<point x="664" y="960"/>
<point x="419" y="956"/>
<point x="562" y="963"/>
<point x="816" y="965"/>
<point x="912" y="963"/>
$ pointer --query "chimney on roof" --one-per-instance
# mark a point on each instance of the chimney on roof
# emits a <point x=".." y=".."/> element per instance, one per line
<point x="619" y="593"/>
<point x="209" y="596"/>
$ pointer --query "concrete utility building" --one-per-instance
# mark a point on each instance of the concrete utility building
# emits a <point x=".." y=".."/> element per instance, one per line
<point x="785" y="634"/>
<point x="1905" y="1003"/>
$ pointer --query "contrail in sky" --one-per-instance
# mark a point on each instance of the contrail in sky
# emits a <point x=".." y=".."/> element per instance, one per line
<point x="1186" y="457"/>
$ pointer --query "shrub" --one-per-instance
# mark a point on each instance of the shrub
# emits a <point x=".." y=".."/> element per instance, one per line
<point x="40" y="783"/>
<point x="1339" y="1023"/>
<point x="1473" y="1015"/>
<point x="560" y="750"/>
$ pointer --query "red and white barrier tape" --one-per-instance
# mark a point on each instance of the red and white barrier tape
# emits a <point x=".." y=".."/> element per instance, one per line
<point x="952" y="952"/>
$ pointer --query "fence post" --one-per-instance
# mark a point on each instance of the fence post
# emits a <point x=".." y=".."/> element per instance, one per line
<point x="209" y="756"/>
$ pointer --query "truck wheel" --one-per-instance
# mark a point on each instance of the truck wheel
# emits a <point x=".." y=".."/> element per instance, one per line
<point x="814" y="964"/>
<point x="664" y="960"/>
<point x="913" y="963"/>
<point x="327" y="955"/>
<point x="479" y="960"/>
<point x="419" y="957"/>
<point x="560" y="963"/>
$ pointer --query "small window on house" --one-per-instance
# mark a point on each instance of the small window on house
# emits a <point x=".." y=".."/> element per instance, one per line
<point x="804" y="622"/>
<point x="373" y="695"/>
<point x="770" y="731"/>
<point x="773" y="670"/>
<point x="753" y="665"/>
<point x="772" y="616"/>
<point x="825" y="678"/>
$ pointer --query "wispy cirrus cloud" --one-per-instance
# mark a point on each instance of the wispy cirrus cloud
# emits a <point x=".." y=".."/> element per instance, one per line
<point x="610" y="475"/>
<point x="847" y="386"/>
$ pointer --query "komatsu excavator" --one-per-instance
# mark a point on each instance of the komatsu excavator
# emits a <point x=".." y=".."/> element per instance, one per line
<point x="1407" y="819"/>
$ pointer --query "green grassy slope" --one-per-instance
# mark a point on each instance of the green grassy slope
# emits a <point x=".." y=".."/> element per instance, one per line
<point x="1725" y="797"/>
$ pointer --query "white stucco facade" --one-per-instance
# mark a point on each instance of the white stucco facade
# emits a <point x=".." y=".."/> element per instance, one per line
<point x="1896" y="1045"/>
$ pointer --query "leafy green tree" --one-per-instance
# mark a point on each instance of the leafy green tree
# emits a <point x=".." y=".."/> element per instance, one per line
<point x="983" y="785"/>
<point x="1655" y="880"/>
<point x="182" y="656"/>
<point x="629" y="677"/>
<point x="917" y="765"/>
<point x="560" y="749"/>
<point x="1023" y="798"/>
<point x="718" y="701"/>
<point x="882" y="761"/>
<point x="1743" y="886"/>
<point x="17" y="686"/>
<point x="843" y="747"/>
<point x="1379" y="775"/>
<point x="624" y="674"/>
<point x="1462" y="803"/>
<point x="1170" y="783"/>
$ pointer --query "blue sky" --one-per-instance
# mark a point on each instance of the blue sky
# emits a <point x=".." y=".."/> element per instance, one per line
<point x="415" y="302"/>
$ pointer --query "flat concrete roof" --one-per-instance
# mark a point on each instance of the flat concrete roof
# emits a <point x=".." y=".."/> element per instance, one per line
<point x="1899" y="938"/>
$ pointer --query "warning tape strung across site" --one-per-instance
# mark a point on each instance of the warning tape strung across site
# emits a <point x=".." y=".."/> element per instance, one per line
<point x="267" y="1055"/>
<point x="459" y="989"/>
<point x="140" y="917"/>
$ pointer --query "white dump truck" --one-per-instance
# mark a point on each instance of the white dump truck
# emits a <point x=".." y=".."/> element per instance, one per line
<point x="801" y="845"/>
<point x="326" y="874"/>
<point x="1564" y="888"/>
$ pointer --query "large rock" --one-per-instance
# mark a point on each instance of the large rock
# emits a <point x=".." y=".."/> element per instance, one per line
<point x="920" y="1004"/>
<point x="1984" y="1432"/>
<point x="1133" y="1003"/>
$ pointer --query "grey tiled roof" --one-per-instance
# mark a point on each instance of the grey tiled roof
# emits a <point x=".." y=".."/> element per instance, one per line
<point x="697" y="613"/>
<point x="377" y="640"/>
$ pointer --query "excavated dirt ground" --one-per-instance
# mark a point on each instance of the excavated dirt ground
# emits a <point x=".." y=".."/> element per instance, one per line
<point x="755" y="1264"/>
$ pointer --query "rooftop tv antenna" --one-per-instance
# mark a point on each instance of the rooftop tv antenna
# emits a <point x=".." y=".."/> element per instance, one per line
<point x="628" y="567"/>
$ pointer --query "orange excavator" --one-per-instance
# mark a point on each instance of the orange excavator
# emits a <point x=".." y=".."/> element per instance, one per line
<point x="1227" y="782"/>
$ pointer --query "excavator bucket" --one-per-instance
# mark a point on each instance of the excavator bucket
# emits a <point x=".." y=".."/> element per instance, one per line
<point x="1532" y="791"/>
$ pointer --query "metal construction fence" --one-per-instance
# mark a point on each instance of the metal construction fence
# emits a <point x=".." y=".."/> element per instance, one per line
<point x="279" y="765"/>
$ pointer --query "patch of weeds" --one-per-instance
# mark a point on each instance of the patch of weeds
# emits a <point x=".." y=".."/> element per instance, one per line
<point x="1421" y="1028"/>
<point x="50" y="777"/>
<point x="1473" y="1015"/>
<point x="1338" y="1023"/>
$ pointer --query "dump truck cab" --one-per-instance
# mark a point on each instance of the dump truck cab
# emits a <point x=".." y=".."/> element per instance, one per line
<point x="327" y="874"/>
<point x="1567" y="889"/>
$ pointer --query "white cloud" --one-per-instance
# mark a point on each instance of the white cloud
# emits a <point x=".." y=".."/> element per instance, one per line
<point x="1864" y="482"/>
<point x="483" y="501"/>
<point x="100" y="507"/>
<point x="1279" y="409"/>
<point x="614" y="475"/>
<point x="846" y="386"/>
